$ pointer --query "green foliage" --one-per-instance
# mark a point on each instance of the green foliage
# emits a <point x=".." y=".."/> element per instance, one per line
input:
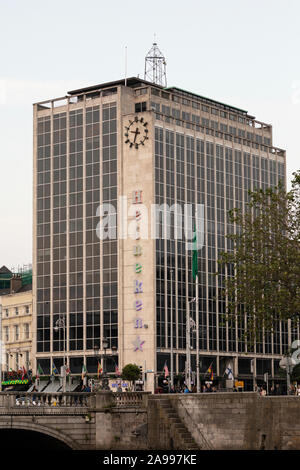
<point x="131" y="372"/>
<point x="263" y="265"/>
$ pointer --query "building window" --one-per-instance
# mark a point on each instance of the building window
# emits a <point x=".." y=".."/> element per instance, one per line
<point x="27" y="309"/>
<point x="17" y="361"/>
<point x="16" y="332"/>
<point x="16" y="310"/>
<point x="154" y="91"/>
<point x="155" y="106"/>
<point x="140" y="107"/>
<point x="6" y="333"/>
<point x="141" y="91"/>
<point x="6" y="312"/>
<point x="27" y="361"/>
<point x="26" y="330"/>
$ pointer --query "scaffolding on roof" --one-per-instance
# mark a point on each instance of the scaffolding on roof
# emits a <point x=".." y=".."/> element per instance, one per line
<point x="5" y="278"/>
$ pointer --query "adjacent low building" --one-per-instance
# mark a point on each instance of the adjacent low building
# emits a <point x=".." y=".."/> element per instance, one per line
<point x="16" y="302"/>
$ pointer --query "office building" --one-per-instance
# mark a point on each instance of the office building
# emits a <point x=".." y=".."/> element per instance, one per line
<point x="125" y="146"/>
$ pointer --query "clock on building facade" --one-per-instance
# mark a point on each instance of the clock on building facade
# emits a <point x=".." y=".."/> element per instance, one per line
<point x="136" y="133"/>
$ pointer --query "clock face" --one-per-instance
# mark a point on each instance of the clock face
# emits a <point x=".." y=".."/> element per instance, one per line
<point x="136" y="133"/>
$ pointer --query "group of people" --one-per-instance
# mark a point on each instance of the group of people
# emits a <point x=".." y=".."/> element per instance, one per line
<point x="276" y="390"/>
<point x="185" y="389"/>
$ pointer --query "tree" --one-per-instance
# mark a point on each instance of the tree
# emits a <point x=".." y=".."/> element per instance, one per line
<point x="262" y="285"/>
<point x="131" y="372"/>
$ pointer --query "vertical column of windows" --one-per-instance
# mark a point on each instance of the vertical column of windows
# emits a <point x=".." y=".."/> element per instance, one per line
<point x="281" y="173"/>
<point x="43" y="227"/>
<point x="191" y="200"/>
<point x="239" y="199"/>
<point x="170" y="242"/>
<point x="200" y="155"/>
<point x="230" y="204"/>
<point x="273" y="173"/>
<point x="280" y="333"/>
<point x="76" y="230"/>
<point x="255" y="172"/>
<point x="59" y="226"/>
<point x="220" y="179"/>
<point x="181" y="251"/>
<point x="211" y="248"/>
<point x="247" y="176"/>
<point x="110" y="247"/>
<point x="92" y="201"/>
<point x="160" y="258"/>
<point x="264" y="173"/>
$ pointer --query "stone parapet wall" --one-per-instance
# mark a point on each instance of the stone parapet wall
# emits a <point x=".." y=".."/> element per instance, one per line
<point x="239" y="421"/>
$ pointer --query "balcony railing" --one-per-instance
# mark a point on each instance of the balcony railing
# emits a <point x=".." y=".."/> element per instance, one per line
<point x="23" y="400"/>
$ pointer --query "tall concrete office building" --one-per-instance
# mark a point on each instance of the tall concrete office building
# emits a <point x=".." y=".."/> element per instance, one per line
<point x="125" y="146"/>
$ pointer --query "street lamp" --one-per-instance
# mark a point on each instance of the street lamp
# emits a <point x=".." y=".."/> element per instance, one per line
<point x="171" y="332"/>
<point x="61" y="324"/>
<point x="104" y="385"/>
<point x="188" y="344"/>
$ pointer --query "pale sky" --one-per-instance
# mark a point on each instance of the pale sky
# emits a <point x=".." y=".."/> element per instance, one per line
<point x="244" y="53"/>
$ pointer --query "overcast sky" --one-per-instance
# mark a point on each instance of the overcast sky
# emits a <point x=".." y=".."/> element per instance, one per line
<point x="244" y="53"/>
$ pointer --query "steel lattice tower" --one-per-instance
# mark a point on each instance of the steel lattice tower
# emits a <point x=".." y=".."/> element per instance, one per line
<point x="155" y="66"/>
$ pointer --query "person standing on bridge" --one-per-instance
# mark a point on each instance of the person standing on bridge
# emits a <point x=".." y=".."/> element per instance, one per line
<point x="34" y="396"/>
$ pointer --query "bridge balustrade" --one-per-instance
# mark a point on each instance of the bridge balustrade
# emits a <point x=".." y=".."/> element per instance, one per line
<point x="44" y="399"/>
<point x="129" y="399"/>
<point x="20" y="400"/>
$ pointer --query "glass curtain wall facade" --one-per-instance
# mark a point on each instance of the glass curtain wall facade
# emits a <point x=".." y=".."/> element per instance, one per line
<point x="76" y="170"/>
<point x="195" y="170"/>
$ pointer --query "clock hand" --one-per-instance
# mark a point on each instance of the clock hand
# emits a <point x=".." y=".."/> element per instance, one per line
<point x="136" y="132"/>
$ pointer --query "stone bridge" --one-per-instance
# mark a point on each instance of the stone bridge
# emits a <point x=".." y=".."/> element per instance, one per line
<point x="137" y="420"/>
<point x="78" y="421"/>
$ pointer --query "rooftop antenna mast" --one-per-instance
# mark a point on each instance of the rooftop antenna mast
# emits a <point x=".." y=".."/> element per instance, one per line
<point x="125" y="65"/>
<point x="155" y="66"/>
